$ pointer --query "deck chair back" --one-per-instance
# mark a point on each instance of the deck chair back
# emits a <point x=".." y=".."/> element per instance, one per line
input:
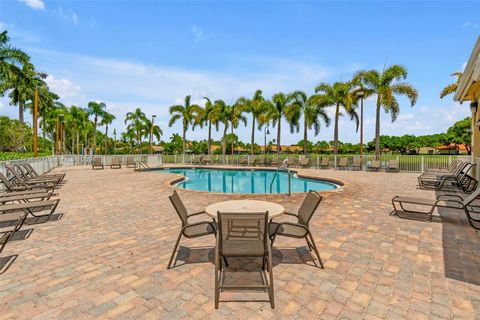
<point x="179" y="207"/>
<point x="308" y="207"/>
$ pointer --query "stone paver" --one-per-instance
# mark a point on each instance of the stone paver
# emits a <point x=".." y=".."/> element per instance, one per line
<point x="107" y="256"/>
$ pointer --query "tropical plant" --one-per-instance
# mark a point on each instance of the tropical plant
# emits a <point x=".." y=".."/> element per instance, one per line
<point x="312" y="115"/>
<point x="210" y="115"/>
<point x="386" y="85"/>
<point x="152" y="130"/>
<point x="136" y="123"/>
<point x="336" y="95"/>
<point x="186" y="114"/>
<point x="283" y="106"/>
<point x="96" y="109"/>
<point x="452" y="87"/>
<point x="235" y="115"/>
<point x="107" y="119"/>
<point x="257" y="106"/>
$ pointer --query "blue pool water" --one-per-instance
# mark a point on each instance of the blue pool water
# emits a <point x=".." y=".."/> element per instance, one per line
<point x="245" y="181"/>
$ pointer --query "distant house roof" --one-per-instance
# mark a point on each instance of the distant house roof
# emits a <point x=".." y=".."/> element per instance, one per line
<point x="452" y="146"/>
<point x="282" y="148"/>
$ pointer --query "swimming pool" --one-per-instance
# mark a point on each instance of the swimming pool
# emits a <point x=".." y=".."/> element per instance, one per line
<point x="245" y="181"/>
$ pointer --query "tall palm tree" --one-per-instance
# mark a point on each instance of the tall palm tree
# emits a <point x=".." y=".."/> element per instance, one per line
<point x="211" y="116"/>
<point x="187" y="114"/>
<point x="107" y="119"/>
<point x="386" y="85"/>
<point x="336" y="95"/>
<point x="150" y="127"/>
<point x="257" y="106"/>
<point x="96" y="109"/>
<point x="222" y="114"/>
<point x="451" y="88"/>
<point x="77" y="114"/>
<point x="235" y="115"/>
<point x="312" y="114"/>
<point x="283" y="106"/>
<point x="136" y="123"/>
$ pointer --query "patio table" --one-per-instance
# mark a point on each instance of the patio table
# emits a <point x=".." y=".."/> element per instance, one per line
<point x="245" y="206"/>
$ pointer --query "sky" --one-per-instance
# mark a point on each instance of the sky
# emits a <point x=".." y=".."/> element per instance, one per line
<point x="151" y="54"/>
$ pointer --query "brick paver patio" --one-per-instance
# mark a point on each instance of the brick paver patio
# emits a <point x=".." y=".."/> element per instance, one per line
<point x="107" y="256"/>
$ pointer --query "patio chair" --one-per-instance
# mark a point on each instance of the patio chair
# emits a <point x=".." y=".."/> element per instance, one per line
<point x="206" y="160"/>
<point x="116" y="163"/>
<point x="375" y="165"/>
<point x="252" y="161"/>
<point x="325" y="163"/>
<point x="33" y="173"/>
<point x="189" y="229"/>
<point x="393" y="166"/>
<point x="19" y="180"/>
<point x="32" y="208"/>
<point x="130" y="162"/>
<point x="437" y="181"/>
<point x="18" y="219"/>
<point x="342" y="164"/>
<point x="243" y="161"/>
<point x="243" y="235"/>
<point x="301" y="228"/>
<point x="451" y="201"/>
<point x="274" y="162"/>
<point x="356" y="164"/>
<point x="305" y="162"/>
<point x="97" y="163"/>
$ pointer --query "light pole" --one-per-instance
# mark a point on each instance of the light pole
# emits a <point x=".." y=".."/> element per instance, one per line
<point x="361" y="95"/>
<point x="267" y="132"/>
<point x="151" y="133"/>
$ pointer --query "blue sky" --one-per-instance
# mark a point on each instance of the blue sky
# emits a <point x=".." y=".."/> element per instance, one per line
<point x="150" y="54"/>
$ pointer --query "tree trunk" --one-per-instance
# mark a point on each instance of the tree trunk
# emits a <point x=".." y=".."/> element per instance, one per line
<point x="253" y="135"/>
<point x="43" y="133"/>
<point x="232" y="139"/>
<point x="21" y="108"/>
<point x="377" y="129"/>
<point x="305" y="141"/>
<point x="73" y="141"/>
<point x="95" y="134"/>
<point x="279" y="130"/>
<point x="78" y="142"/>
<point x="224" y="144"/>
<point x="335" y="133"/>
<point x="184" y="133"/>
<point x="209" y="152"/>
<point x="106" y="138"/>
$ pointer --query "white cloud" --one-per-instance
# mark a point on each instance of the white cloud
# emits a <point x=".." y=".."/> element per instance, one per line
<point x="67" y="15"/>
<point x="198" y="33"/>
<point x="34" y="4"/>
<point x="66" y="90"/>
<point x="469" y="25"/>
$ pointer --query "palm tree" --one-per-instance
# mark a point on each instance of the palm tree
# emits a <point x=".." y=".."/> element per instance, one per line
<point x="222" y="115"/>
<point x="96" y="109"/>
<point x="137" y="120"/>
<point x="186" y="113"/>
<point x="336" y="95"/>
<point x="234" y="114"/>
<point x="386" y="85"/>
<point x="152" y="128"/>
<point x="77" y="114"/>
<point x="451" y="88"/>
<point x="283" y="106"/>
<point x="312" y="114"/>
<point x="257" y="106"/>
<point x="107" y="119"/>
<point x="209" y="115"/>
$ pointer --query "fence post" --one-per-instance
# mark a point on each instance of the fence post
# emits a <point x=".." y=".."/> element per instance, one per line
<point x="318" y="161"/>
<point x="422" y="167"/>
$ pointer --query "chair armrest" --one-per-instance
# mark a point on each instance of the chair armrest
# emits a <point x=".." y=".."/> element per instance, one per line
<point x="291" y="214"/>
<point x="200" y="223"/>
<point x="291" y="224"/>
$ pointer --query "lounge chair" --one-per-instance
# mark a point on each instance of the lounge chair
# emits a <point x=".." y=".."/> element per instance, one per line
<point x="32" y="208"/>
<point x="116" y="163"/>
<point x="325" y="163"/>
<point x="342" y="164"/>
<point x="451" y="201"/>
<point x="33" y="173"/>
<point x="437" y="181"/>
<point x="356" y="164"/>
<point x="18" y="219"/>
<point x="450" y="168"/>
<point x="97" y="163"/>
<point x="375" y="165"/>
<point x="18" y="180"/>
<point x="291" y="162"/>
<point x="252" y="161"/>
<point x="393" y="166"/>
<point x="299" y="229"/>
<point x="274" y="162"/>
<point x="243" y="161"/>
<point x="26" y="197"/>
<point x="20" y="175"/>
<point x="23" y="188"/>
<point x="189" y="229"/>
<point x="130" y="162"/>
<point x="206" y="160"/>
<point x="243" y="235"/>
<point x="305" y="162"/>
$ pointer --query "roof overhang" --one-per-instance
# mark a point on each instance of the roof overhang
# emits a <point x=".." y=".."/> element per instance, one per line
<point x="470" y="80"/>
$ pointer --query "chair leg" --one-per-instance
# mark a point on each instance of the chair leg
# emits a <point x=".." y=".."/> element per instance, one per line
<point x="174" y="250"/>
<point x="217" y="279"/>
<point x="270" y="273"/>
<point x="308" y="244"/>
<point x="315" y="249"/>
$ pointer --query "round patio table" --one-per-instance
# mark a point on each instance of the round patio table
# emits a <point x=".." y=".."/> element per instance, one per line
<point x="245" y="206"/>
